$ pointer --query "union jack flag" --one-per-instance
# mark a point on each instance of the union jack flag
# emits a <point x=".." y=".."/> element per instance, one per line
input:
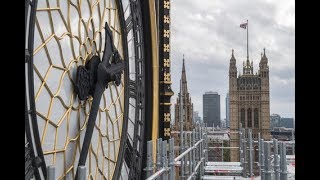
<point x="244" y="25"/>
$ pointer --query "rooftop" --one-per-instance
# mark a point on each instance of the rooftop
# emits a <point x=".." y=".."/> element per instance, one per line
<point x="211" y="92"/>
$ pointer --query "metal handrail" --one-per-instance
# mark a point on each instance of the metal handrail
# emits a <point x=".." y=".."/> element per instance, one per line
<point x="187" y="151"/>
<point x="164" y="169"/>
<point x="196" y="169"/>
<point x="157" y="174"/>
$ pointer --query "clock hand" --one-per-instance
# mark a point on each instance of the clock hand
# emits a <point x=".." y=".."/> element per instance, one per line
<point x="101" y="74"/>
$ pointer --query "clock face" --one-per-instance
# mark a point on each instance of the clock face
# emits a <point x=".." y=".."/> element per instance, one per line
<point x="66" y="35"/>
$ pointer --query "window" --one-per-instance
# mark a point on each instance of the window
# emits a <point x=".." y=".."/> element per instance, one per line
<point x="249" y="116"/>
<point x="256" y="118"/>
<point x="242" y="114"/>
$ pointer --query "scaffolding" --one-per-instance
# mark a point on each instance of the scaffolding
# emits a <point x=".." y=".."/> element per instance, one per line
<point x="193" y="162"/>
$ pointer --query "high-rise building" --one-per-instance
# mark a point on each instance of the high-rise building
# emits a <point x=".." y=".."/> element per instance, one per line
<point x="196" y="117"/>
<point x="187" y="110"/>
<point x="249" y="102"/>
<point x="227" y="111"/>
<point x="211" y="109"/>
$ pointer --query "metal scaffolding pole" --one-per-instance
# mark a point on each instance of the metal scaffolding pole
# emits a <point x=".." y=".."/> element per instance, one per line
<point x="276" y="160"/>
<point x="293" y="144"/>
<point x="190" y="155"/>
<point x="244" y="146"/>
<point x="51" y="173"/>
<point x="240" y="145"/>
<point x="262" y="174"/>
<point x="206" y="144"/>
<point x="185" y="158"/>
<point x="164" y="160"/>
<point x="267" y="167"/>
<point x="159" y="154"/>
<point x="259" y="151"/>
<point x="171" y="159"/>
<point x="193" y="151"/>
<point x="201" y="172"/>
<point x="250" y="153"/>
<point x="82" y="171"/>
<point x="283" y="162"/>
<point x="149" y="168"/>
<point x="197" y="139"/>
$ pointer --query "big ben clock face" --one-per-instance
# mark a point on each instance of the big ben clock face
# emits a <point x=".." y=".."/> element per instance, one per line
<point x="84" y="87"/>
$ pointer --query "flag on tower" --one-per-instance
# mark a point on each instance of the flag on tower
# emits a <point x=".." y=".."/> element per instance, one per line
<point x="244" y="25"/>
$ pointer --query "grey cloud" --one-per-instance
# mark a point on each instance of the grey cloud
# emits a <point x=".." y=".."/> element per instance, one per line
<point x="206" y="31"/>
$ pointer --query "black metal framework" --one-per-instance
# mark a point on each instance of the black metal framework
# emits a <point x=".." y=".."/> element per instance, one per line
<point x="132" y="165"/>
<point x="34" y="161"/>
<point x="131" y="151"/>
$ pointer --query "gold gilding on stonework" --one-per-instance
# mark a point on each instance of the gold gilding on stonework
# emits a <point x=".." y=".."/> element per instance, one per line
<point x="166" y="47"/>
<point x="166" y="4"/>
<point x="166" y="33"/>
<point x="166" y="62"/>
<point x="166" y="117"/>
<point x="166" y="131"/>
<point x="166" y="19"/>
<point x="167" y="77"/>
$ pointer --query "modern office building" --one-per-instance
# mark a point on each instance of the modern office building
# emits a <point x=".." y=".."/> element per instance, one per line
<point x="211" y="109"/>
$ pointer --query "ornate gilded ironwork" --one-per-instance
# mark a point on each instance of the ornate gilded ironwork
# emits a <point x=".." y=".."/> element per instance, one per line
<point x="164" y="75"/>
<point x="67" y="34"/>
<point x="70" y="34"/>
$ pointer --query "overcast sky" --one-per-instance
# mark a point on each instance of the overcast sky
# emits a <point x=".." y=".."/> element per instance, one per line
<point x="205" y="31"/>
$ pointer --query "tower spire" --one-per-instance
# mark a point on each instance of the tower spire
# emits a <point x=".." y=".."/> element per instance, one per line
<point x="184" y="78"/>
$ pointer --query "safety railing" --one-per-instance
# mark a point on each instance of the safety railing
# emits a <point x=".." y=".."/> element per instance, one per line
<point x="272" y="165"/>
<point x="191" y="162"/>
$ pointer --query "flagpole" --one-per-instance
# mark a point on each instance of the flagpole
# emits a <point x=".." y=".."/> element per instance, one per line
<point x="247" y="40"/>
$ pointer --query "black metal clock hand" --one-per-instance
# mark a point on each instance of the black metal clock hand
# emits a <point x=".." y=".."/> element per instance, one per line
<point x="96" y="79"/>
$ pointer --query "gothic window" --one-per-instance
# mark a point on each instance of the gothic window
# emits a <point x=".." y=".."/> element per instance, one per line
<point x="242" y="116"/>
<point x="256" y="118"/>
<point x="249" y="112"/>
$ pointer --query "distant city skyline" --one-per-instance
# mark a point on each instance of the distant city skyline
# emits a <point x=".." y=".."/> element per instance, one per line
<point x="211" y="29"/>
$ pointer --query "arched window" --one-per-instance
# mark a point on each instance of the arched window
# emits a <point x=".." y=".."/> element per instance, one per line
<point x="256" y="118"/>
<point x="242" y="116"/>
<point x="249" y="116"/>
